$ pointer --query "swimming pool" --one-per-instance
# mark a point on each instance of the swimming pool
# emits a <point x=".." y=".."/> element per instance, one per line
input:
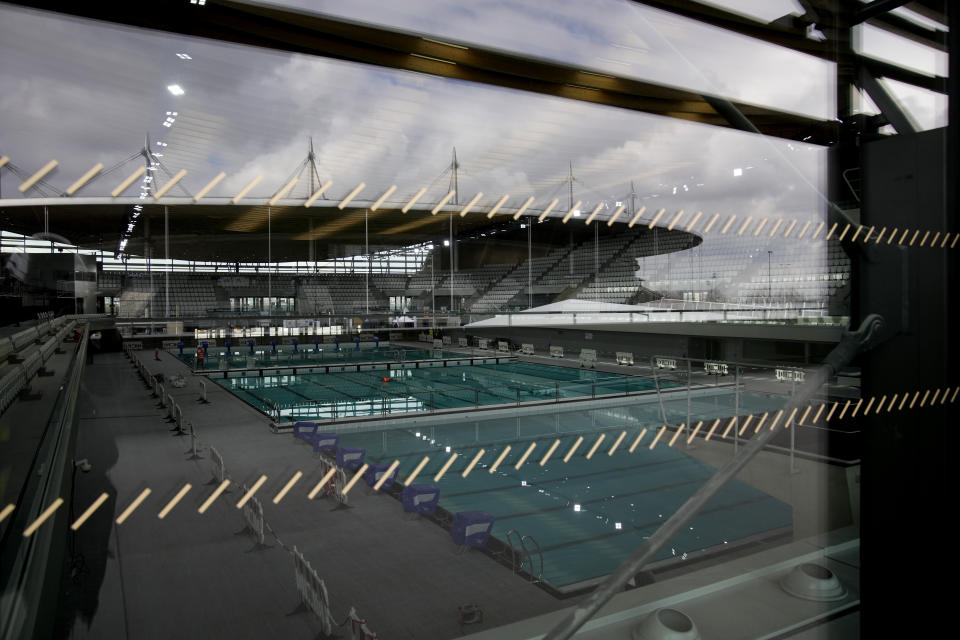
<point x="390" y="389"/>
<point x="586" y="515"/>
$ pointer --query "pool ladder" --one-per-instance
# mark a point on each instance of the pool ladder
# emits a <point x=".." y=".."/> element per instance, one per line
<point x="521" y="554"/>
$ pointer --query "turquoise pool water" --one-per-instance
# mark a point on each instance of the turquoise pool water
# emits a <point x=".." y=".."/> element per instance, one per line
<point x="324" y="396"/>
<point x="586" y="515"/>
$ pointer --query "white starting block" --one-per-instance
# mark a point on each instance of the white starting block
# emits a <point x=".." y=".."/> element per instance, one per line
<point x="791" y="375"/>
<point x="526" y="349"/>
<point x="483" y="343"/>
<point x="463" y="342"/>
<point x="447" y="340"/>
<point x="438" y="344"/>
<point x="716" y="368"/>
<point x="503" y="347"/>
<point x="666" y="363"/>
<point x="556" y="352"/>
<point x="588" y="358"/>
<point x="624" y="357"/>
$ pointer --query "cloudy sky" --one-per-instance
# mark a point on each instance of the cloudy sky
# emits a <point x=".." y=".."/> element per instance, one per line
<point x="84" y="92"/>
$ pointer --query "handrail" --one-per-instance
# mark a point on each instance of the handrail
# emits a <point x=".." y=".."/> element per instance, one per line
<point x="539" y="576"/>
<point x="23" y="566"/>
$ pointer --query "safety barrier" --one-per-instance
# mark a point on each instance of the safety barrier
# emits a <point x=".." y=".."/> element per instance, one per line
<point x="313" y="592"/>
<point x="624" y="357"/>
<point x="203" y="393"/>
<point x="219" y="469"/>
<point x="358" y="627"/>
<point x="666" y="363"/>
<point x="503" y="346"/>
<point x="253" y="516"/>
<point x="588" y="358"/>
<point x="526" y="349"/>
<point x="716" y="368"/>
<point x="556" y="352"/>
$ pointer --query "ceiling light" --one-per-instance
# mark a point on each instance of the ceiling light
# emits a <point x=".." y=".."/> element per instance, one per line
<point x="446" y="243"/>
<point x="576" y="507"/>
<point x="184" y="56"/>
<point x="175" y="89"/>
<point x="737" y="172"/>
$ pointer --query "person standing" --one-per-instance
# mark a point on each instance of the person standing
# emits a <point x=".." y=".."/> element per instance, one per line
<point x="200" y="356"/>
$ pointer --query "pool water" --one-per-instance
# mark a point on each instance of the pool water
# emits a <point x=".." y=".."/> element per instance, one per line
<point x="324" y="396"/>
<point x="587" y="516"/>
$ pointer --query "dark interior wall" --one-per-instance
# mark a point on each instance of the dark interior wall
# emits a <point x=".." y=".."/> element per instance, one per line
<point x="907" y="455"/>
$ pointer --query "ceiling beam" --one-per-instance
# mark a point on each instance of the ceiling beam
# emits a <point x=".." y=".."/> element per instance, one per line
<point x="288" y="30"/>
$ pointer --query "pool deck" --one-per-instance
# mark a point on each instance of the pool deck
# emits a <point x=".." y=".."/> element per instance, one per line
<point x="193" y="576"/>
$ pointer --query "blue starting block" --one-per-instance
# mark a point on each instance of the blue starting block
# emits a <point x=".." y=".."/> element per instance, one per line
<point x="471" y="528"/>
<point x="305" y="430"/>
<point x="421" y="498"/>
<point x="351" y="457"/>
<point x="375" y="471"/>
<point x="325" y="442"/>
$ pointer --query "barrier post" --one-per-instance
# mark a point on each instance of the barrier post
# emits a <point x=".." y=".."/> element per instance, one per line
<point x="194" y="439"/>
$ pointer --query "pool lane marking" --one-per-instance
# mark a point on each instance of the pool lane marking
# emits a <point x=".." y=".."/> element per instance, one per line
<point x="553" y="447"/>
<point x="526" y="453"/>
<point x="354" y="479"/>
<point x="695" y="431"/>
<point x="7" y="510"/>
<point x="637" y="441"/>
<point x="324" y="480"/>
<point x="832" y="409"/>
<point x="596" y="444"/>
<point x="924" y="400"/>
<point x="933" y="400"/>
<point x="173" y="501"/>
<point x="616" y="444"/>
<point x="388" y="473"/>
<point x="503" y="454"/>
<point x="856" y="408"/>
<point x="916" y="394"/>
<point x="473" y="463"/>
<point x="213" y="496"/>
<point x="879" y="405"/>
<point x="446" y="465"/>
<point x="676" y="435"/>
<point x="575" y="446"/>
<point x="90" y="510"/>
<point x="659" y="433"/>
<point x="803" y="418"/>
<point x="133" y="506"/>
<point x="42" y="517"/>
<point x="954" y="397"/>
<point x="283" y="492"/>
<point x="256" y="487"/>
